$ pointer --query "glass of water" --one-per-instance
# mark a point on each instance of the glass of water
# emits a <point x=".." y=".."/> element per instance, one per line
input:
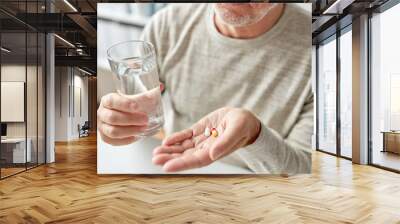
<point x="135" y="75"/>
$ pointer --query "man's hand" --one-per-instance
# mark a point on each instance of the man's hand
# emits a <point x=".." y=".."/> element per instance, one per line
<point x="190" y="148"/>
<point x="119" y="119"/>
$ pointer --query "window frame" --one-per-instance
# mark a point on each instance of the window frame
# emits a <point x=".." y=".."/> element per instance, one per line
<point x="334" y="37"/>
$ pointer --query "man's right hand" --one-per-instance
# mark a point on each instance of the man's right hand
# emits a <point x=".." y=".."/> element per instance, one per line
<point x="119" y="119"/>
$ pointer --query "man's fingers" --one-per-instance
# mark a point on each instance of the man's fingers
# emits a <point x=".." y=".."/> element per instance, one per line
<point x="168" y="149"/>
<point x="188" y="161"/>
<point x="147" y="101"/>
<point x="118" y="142"/>
<point x="179" y="148"/>
<point x="178" y="137"/>
<point x="198" y="128"/>
<point x="120" y="132"/>
<point x="115" y="101"/>
<point x="114" y="117"/>
<point x="196" y="131"/>
<point x="161" y="159"/>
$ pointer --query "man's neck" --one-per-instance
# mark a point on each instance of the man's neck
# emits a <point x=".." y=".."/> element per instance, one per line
<point x="252" y="30"/>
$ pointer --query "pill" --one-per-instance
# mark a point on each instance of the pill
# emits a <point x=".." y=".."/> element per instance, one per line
<point x="214" y="132"/>
<point x="207" y="132"/>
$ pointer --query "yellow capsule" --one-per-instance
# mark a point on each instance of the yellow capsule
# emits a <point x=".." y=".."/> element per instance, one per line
<point x="214" y="133"/>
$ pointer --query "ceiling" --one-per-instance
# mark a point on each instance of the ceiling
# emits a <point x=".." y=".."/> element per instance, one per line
<point x="330" y="16"/>
<point x="75" y="43"/>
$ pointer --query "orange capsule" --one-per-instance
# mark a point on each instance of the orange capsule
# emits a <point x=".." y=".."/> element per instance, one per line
<point x="214" y="132"/>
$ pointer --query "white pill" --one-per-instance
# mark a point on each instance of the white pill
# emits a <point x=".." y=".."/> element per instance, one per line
<point x="207" y="132"/>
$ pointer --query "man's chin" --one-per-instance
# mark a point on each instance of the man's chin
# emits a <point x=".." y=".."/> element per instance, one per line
<point x="236" y="21"/>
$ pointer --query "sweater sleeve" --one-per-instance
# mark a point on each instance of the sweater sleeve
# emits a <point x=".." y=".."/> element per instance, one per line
<point x="274" y="154"/>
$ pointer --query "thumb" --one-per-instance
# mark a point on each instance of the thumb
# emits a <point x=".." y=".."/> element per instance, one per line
<point x="224" y="143"/>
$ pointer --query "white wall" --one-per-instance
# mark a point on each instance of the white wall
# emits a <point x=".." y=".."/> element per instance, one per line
<point x="66" y="120"/>
<point x="80" y="118"/>
<point x="14" y="73"/>
<point x="33" y="126"/>
<point x="61" y="103"/>
<point x="17" y="73"/>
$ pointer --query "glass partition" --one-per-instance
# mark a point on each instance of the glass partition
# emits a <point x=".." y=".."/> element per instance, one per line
<point x="22" y="77"/>
<point x="34" y="50"/>
<point x="41" y="109"/>
<point x="13" y="94"/>
<point x="32" y="98"/>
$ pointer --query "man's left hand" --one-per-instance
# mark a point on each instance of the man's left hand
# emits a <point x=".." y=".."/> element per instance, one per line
<point x="190" y="148"/>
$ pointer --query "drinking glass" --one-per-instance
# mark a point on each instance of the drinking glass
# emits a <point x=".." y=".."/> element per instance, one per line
<point x="135" y="75"/>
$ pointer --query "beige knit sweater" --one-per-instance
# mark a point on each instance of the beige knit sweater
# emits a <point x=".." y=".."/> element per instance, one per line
<point x="269" y="75"/>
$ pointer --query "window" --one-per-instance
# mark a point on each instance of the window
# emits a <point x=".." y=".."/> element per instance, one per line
<point x="327" y="96"/>
<point x="129" y="23"/>
<point x="385" y="89"/>
<point x="346" y="93"/>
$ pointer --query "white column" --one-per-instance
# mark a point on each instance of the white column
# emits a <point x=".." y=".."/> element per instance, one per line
<point x="50" y="100"/>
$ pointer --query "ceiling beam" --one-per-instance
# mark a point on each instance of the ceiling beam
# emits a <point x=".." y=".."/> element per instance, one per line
<point x="337" y="7"/>
<point x="81" y="61"/>
<point x="84" y="24"/>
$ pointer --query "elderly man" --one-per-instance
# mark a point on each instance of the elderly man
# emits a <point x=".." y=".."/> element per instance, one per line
<point x="244" y="69"/>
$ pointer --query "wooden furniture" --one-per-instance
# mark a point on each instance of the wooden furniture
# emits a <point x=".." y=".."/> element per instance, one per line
<point x="391" y="141"/>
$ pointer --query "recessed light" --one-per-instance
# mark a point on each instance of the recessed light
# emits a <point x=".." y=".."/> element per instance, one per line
<point x="5" y="50"/>
<point x="84" y="71"/>
<point x="70" y="5"/>
<point x="64" y="40"/>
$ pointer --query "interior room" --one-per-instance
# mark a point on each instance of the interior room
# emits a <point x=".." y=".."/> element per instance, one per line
<point x="334" y="54"/>
<point x="22" y="100"/>
<point x="29" y="60"/>
<point x="54" y="73"/>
